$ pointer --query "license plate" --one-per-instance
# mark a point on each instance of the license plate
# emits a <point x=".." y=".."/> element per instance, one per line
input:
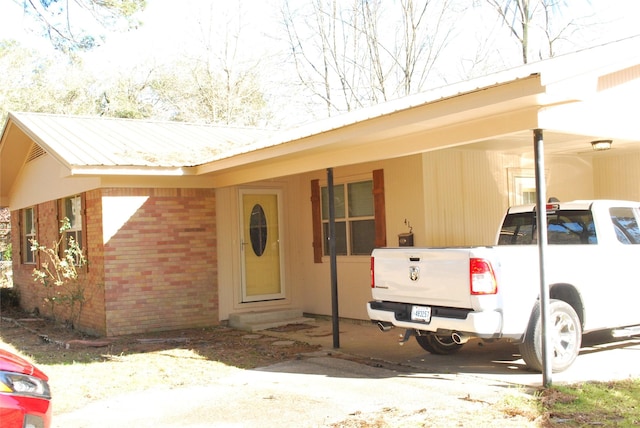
<point x="421" y="313"/>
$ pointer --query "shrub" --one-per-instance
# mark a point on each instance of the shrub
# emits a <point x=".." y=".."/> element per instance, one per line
<point x="9" y="298"/>
<point x="59" y="275"/>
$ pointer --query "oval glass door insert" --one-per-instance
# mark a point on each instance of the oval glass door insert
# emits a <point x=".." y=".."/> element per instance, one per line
<point x="258" y="230"/>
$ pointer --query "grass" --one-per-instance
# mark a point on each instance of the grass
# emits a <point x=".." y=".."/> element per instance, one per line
<point x="78" y="384"/>
<point x="605" y="404"/>
<point x="602" y="404"/>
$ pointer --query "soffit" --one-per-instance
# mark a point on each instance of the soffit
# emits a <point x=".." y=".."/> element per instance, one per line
<point x="10" y="154"/>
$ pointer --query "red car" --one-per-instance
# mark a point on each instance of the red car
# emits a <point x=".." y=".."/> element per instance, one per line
<point x="25" y="398"/>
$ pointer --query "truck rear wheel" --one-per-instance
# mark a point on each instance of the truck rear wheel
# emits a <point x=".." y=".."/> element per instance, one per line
<point x="565" y="337"/>
<point x="435" y="344"/>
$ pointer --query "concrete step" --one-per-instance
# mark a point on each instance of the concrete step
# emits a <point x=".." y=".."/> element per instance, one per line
<point x="262" y="320"/>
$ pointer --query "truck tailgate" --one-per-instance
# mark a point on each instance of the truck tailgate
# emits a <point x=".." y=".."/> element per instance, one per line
<point x="430" y="276"/>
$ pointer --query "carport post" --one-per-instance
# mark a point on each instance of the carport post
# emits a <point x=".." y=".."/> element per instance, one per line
<point x="541" y="209"/>
<point x="333" y="263"/>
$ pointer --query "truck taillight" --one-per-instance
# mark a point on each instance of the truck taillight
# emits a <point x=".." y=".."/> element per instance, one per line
<point x="483" y="280"/>
<point x="373" y="280"/>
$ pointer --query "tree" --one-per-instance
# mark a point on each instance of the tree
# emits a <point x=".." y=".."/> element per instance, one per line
<point x="368" y="51"/>
<point x="218" y="80"/>
<point x="43" y="82"/>
<point x="127" y="95"/>
<point x="76" y="24"/>
<point x="544" y="18"/>
<point x="195" y="91"/>
<point x="187" y="90"/>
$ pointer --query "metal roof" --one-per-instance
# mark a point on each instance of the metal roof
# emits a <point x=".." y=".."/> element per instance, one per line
<point x="108" y="142"/>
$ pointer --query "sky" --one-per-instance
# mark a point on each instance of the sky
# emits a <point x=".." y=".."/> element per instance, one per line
<point x="166" y="30"/>
<point x="172" y="29"/>
<point x="169" y="29"/>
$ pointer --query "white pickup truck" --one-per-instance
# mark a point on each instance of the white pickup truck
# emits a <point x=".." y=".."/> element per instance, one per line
<point x="444" y="296"/>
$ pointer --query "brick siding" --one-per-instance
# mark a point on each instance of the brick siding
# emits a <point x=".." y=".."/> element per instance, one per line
<point x="32" y="293"/>
<point x="161" y="266"/>
<point x="158" y="272"/>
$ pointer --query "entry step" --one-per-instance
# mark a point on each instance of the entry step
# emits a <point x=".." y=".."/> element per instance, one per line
<point x="263" y="320"/>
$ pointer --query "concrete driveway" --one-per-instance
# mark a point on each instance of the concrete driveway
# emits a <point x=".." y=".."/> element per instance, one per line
<point x="601" y="357"/>
<point x="375" y="381"/>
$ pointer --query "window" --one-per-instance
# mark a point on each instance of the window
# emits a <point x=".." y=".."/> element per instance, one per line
<point x="626" y="225"/>
<point x="522" y="186"/>
<point x="72" y="209"/>
<point x="28" y="233"/>
<point x="355" y="201"/>
<point x="571" y="227"/>
<point x="355" y="223"/>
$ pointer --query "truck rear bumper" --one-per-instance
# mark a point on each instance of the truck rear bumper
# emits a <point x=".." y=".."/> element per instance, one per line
<point x="485" y="325"/>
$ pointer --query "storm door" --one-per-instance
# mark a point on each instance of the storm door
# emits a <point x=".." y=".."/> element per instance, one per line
<point x="260" y="245"/>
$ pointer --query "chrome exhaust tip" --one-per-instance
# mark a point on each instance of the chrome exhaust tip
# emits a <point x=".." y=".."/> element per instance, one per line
<point x="383" y="326"/>
<point x="459" y="338"/>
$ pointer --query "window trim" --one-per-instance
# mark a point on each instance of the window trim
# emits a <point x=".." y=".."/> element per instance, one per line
<point x="379" y="217"/>
<point x="25" y="245"/>
<point x="80" y="229"/>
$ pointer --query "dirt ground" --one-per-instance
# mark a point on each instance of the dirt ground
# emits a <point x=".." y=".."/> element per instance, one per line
<point x="49" y="343"/>
<point x="157" y="363"/>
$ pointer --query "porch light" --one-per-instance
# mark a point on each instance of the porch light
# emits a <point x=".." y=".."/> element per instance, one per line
<point x="599" y="145"/>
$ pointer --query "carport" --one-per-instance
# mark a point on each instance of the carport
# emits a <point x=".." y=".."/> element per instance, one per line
<point x="569" y="103"/>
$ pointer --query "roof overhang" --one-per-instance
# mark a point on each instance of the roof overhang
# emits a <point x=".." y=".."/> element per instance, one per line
<point x="462" y="119"/>
<point x="574" y="99"/>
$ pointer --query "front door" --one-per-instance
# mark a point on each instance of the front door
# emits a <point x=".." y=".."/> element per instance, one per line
<point x="260" y="245"/>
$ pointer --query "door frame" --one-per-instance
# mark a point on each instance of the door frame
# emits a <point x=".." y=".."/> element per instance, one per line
<point x="245" y="245"/>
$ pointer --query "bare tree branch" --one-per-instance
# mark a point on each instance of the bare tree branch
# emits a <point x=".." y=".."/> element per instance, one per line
<point x="66" y="25"/>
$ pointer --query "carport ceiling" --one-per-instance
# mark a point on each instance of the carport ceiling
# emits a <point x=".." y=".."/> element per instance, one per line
<point x="555" y="143"/>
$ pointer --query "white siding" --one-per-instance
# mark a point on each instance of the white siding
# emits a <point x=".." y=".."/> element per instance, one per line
<point x="617" y="176"/>
<point x="465" y="196"/>
<point x="450" y="197"/>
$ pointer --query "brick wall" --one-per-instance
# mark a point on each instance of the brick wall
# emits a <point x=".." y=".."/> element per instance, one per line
<point x="158" y="272"/>
<point x="33" y="295"/>
<point x="161" y="266"/>
<point x="93" y="317"/>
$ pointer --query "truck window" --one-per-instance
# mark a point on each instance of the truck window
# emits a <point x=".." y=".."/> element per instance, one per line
<point x="625" y="223"/>
<point x="518" y="229"/>
<point x="563" y="228"/>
